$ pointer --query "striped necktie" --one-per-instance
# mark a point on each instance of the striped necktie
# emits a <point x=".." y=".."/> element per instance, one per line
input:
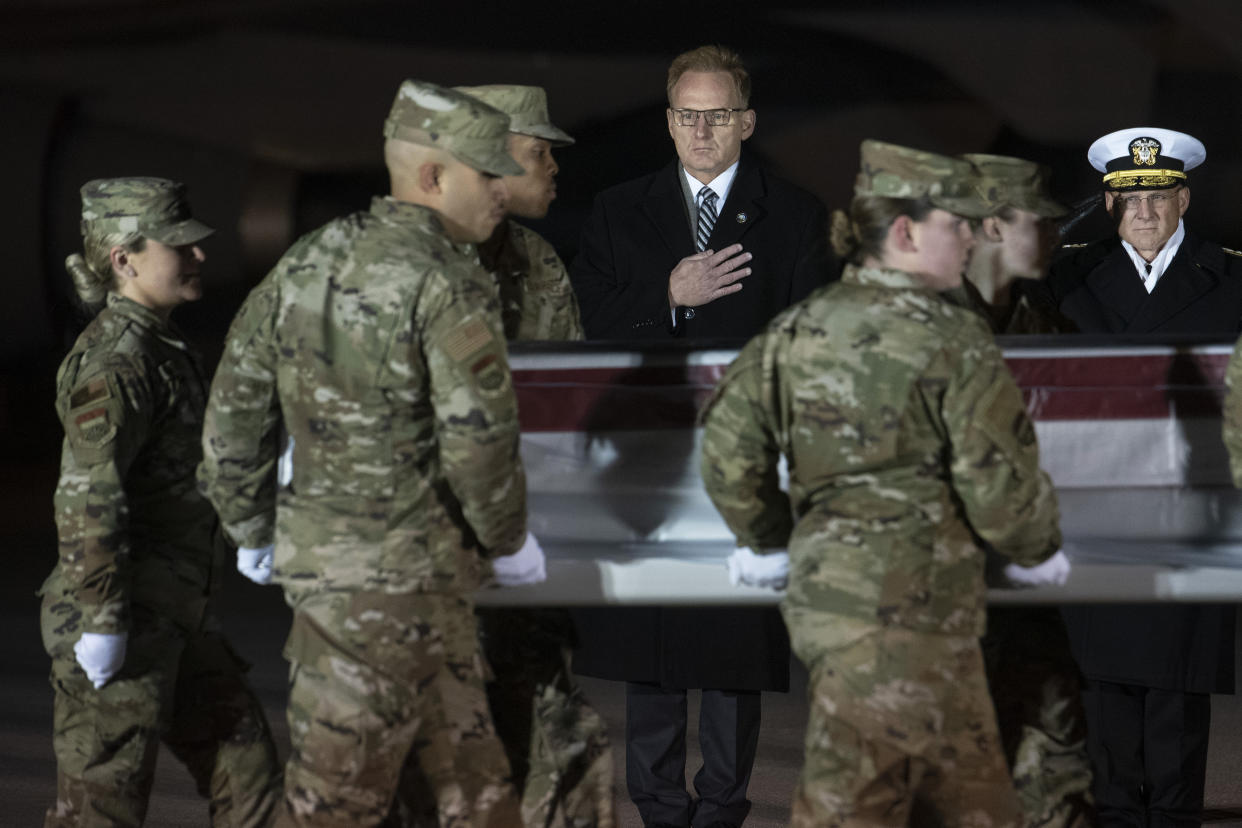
<point x="707" y="218"/>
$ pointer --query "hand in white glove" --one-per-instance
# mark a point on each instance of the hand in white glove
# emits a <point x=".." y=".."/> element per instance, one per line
<point x="256" y="564"/>
<point x="525" y="566"/>
<point x="1054" y="571"/>
<point x="100" y="655"/>
<point x="770" y="570"/>
<point x="284" y="465"/>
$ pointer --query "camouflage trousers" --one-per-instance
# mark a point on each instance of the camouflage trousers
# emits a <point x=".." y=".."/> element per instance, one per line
<point x="185" y="689"/>
<point x="901" y="732"/>
<point x="1037" y="689"/>
<point x="556" y="743"/>
<point x="377" y="680"/>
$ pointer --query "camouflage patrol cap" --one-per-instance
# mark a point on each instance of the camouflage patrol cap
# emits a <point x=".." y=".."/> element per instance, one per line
<point x="465" y="127"/>
<point x="901" y="172"/>
<point x="1014" y="182"/>
<point x="154" y="207"/>
<point x="526" y="106"/>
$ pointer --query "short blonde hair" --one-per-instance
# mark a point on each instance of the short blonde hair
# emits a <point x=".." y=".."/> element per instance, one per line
<point x="713" y="58"/>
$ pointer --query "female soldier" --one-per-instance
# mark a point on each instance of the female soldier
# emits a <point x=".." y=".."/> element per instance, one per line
<point x="136" y="655"/>
<point x="908" y="449"/>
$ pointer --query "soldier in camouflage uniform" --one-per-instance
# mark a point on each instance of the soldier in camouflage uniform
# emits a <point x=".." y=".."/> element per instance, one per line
<point x="556" y="743"/>
<point x="1232" y="414"/>
<point x="536" y="299"/>
<point x="1013" y="247"/>
<point x="136" y="655"/>
<point x="1034" y="681"/>
<point x="376" y="343"/>
<point x="908" y="445"/>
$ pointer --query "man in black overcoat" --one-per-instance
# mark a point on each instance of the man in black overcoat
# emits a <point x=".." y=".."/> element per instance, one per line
<point x="1150" y="669"/>
<point x="710" y="246"/>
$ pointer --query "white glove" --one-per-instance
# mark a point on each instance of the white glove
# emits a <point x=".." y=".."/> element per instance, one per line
<point x="256" y="564"/>
<point x="100" y="655"/>
<point x="1055" y="571"/>
<point x="284" y="465"/>
<point x="525" y="566"/>
<point x="770" y="570"/>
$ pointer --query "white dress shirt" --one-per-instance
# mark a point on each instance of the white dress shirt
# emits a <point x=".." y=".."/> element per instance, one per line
<point x="720" y="184"/>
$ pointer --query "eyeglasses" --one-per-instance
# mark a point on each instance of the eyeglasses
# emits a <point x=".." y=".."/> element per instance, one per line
<point x="1156" y="200"/>
<point x="712" y="117"/>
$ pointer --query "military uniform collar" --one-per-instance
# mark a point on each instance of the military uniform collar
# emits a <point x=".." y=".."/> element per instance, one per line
<point x="402" y="212"/>
<point x="882" y="277"/>
<point x="417" y="215"/>
<point x="147" y="318"/>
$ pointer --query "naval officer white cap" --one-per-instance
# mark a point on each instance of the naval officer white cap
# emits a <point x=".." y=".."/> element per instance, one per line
<point x="1145" y="158"/>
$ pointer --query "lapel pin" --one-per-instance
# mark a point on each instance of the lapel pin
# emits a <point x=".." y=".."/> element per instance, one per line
<point x="741" y="218"/>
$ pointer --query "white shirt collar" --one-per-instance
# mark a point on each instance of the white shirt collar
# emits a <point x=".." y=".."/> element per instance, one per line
<point x="720" y="184"/>
<point x="1159" y="264"/>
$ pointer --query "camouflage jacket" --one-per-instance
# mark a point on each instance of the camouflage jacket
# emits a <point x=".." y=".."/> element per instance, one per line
<point x="131" y="524"/>
<point x="376" y="343"/>
<point x="1232" y="414"/>
<point x="1030" y="311"/>
<point x="907" y="442"/>
<point x="536" y="299"/>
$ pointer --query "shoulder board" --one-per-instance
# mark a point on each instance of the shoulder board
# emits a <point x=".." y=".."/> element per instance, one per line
<point x="1074" y="246"/>
<point x="1237" y="253"/>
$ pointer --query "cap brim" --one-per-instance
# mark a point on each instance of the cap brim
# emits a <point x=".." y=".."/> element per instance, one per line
<point x="1047" y="208"/>
<point x="496" y="163"/>
<point x="549" y="133"/>
<point x="183" y="232"/>
<point x="970" y="207"/>
<point x="1158" y="183"/>
<point x="1040" y="205"/>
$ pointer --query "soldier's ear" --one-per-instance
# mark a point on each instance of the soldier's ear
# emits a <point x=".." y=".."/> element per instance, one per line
<point x="429" y="174"/>
<point x="991" y="229"/>
<point x="121" y="265"/>
<point x="901" y="234"/>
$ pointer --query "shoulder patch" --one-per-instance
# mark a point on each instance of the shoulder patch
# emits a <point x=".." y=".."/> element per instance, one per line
<point x="92" y="391"/>
<point x="91" y="429"/>
<point x="488" y="373"/>
<point x="467" y="339"/>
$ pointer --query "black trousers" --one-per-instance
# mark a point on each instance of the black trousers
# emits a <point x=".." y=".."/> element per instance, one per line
<point x="1148" y="752"/>
<point x="655" y="755"/>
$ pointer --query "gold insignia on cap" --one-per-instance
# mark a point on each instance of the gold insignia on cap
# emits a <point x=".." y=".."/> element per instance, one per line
<point x="1145" y="151"/>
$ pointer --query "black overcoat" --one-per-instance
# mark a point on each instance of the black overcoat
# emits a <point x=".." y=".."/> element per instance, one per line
<point x="1098" y="287"/>
<point x="635" y="236"/>
<point x="1187" y="647"/>
<point x="638" y="231"/>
